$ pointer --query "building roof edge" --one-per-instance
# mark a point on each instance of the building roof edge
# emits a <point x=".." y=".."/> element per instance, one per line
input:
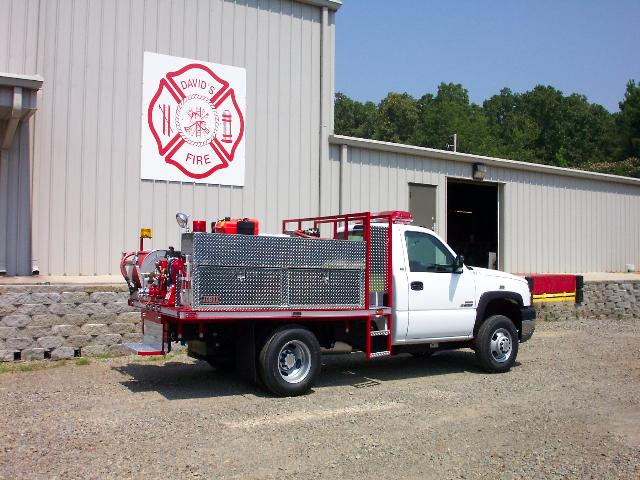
<point x="330" y="4"/>
<point x="470" y="158"/>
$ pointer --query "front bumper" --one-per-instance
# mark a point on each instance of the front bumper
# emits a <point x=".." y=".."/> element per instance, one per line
<point x="528" y="323"/>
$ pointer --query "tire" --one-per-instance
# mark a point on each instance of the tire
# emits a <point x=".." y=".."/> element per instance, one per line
<point x="289" y="362"/>
<point x="496" y="344"/>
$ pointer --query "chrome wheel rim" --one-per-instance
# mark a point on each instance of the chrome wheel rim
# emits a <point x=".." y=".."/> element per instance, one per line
<point x="501" y="345"/>
<point x="294" y="361"/>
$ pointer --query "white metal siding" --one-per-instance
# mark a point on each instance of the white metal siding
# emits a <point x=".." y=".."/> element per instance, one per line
<point x="551" y="223"/>
<point x="88" y="198"/>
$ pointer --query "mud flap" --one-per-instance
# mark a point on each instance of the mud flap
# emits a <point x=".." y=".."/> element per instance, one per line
<point x="246" y="351"/>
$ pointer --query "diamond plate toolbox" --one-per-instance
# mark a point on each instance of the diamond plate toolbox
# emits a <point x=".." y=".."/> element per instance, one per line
<point x="245" y="272"/>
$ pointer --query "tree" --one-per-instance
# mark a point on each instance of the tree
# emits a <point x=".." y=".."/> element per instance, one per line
<point x="354" y="118"/>
<point x="450" y="112"/>
<point x="542" y="125"/>
<point x="628" y="122"/>
<point x="397" y="118"/>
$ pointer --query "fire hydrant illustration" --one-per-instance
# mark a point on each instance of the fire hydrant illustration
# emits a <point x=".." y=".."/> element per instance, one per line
<point x="226" y="126"/>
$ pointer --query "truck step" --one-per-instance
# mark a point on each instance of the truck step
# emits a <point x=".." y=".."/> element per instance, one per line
<point x="383" y="353"/>
<point x="379" y="333"/>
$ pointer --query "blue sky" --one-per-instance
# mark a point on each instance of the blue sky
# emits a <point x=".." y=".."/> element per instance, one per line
<point x="591" y="47"/>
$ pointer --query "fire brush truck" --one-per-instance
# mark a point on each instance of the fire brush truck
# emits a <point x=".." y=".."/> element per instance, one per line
<point x="269" y="305"/>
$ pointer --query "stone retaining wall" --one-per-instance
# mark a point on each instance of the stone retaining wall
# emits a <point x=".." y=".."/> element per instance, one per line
<point x="601" y="300"/>
<point x="65" y="321"/>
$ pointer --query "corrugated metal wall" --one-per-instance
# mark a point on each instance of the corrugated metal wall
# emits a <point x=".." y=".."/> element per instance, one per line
<point x="550" y="223"/>
<point x="88" y="198"/>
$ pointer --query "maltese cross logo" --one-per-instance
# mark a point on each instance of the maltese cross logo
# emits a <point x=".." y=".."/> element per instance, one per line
<point x="196" y="121"/>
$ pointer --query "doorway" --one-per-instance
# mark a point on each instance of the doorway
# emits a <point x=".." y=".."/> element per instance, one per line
<point x="472" y="222"/>
<point x="422" y="205"/>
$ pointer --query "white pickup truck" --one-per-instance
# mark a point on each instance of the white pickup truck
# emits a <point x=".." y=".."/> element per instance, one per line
<point x="270" y="305"/>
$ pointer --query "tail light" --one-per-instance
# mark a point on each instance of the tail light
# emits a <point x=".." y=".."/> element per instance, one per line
<point x="199" y="226"/>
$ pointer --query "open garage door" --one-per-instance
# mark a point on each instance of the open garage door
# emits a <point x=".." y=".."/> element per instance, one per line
<point x="472" y="222"/>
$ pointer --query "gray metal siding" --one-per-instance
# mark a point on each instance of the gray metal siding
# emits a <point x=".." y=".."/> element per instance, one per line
<point x="550" y="223"/>
<point x="88" y="198"/>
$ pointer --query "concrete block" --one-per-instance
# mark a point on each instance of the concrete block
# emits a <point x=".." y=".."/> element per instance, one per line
<point x="45" y="298"/>
<point x="33" y="354"/>
<point x="78" y="341"/>
<point x="6" y="332"/>
<point x="78" y="319"/>
<point x="91" y="308"/>
<point x="36" y="331"/>
<point x="32" y="309"/>
<point x="18" y="343"/>
<point x="132" y="338"/>
<point x="129" y="317"/>
<point x="117" y="307"/>
<point x="6" y="355"/>
<point x="104" y="297"/>
<point x="62" y="353"/>
<point x="74" y="297"/>
<point x="62" y="308"/>
<point x="94" y="328"/>
<point x="93" y="350"/>
<point x="50" y="342"/>
<point x="107" y="318"/>
<point x="123" y="328"/>
<point x="119" y="350"/>
<point x="6" y="309"/>
<point x="46" y="320"/>
<point x="65" y="330"/>
<point x="123" y="296"/>
<point x="107" y="339"/>
<point x="14" y="298"/>
<point x="15" y="321"/>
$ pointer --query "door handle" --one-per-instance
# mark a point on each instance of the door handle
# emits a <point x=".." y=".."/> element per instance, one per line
<point x="417" y="286"/>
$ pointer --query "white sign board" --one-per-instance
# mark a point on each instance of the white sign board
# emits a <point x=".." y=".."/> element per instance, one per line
<point x="193" y="121"/>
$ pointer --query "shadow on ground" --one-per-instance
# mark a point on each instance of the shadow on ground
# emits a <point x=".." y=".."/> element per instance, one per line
<point x="176" y="380"/>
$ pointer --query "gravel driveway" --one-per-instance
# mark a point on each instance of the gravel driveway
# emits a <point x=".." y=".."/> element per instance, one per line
<point x="569" y="409"/>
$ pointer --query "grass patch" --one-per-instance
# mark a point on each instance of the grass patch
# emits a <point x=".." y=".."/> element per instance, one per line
<point x="83" y="361"/>
<point x="22" y="367"/>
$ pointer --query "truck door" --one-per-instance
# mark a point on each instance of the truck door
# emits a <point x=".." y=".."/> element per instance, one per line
<point x="441" y="302"/>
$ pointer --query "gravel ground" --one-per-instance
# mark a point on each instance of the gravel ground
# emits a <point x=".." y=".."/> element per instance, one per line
<point x="569" y="409"/>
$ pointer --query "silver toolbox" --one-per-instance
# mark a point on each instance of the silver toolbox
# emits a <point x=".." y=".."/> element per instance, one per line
<point x="245" y="272"/>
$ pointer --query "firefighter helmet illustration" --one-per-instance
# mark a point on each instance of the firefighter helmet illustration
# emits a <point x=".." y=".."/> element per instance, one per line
<point x="195" y="120"/>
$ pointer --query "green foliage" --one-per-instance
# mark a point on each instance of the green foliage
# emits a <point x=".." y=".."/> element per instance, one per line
<point x="628" y="121"/>
<point x="396" y="118"/>
<point x="542" y="125"/>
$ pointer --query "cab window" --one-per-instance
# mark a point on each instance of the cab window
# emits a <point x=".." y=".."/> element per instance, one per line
<point x="427" y="254"/>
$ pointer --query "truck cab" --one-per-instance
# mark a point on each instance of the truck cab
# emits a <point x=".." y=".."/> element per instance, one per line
<point x="438" y="299"/>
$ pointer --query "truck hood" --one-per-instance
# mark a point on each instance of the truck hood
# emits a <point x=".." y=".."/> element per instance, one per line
<point x="486" y="272"/>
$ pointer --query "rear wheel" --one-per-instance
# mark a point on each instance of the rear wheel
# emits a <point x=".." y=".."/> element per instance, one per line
<point x="289" y="361"/>
<point x="496" y="344"/>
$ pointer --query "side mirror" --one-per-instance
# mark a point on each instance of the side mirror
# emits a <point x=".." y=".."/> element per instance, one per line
<point x="458" y="264"/>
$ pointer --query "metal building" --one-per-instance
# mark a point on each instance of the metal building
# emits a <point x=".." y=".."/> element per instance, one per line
<point x="71" y="194"/>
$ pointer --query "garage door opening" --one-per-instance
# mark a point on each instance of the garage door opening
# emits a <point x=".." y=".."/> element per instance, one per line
<point x="472" y="222"/>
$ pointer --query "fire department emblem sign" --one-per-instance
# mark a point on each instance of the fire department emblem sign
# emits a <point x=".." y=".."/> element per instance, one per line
<point x="192" y="121"/>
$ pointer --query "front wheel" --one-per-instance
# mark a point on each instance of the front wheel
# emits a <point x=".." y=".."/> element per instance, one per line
<point x="289" y="361"/>
<point x="496" y="344"/>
